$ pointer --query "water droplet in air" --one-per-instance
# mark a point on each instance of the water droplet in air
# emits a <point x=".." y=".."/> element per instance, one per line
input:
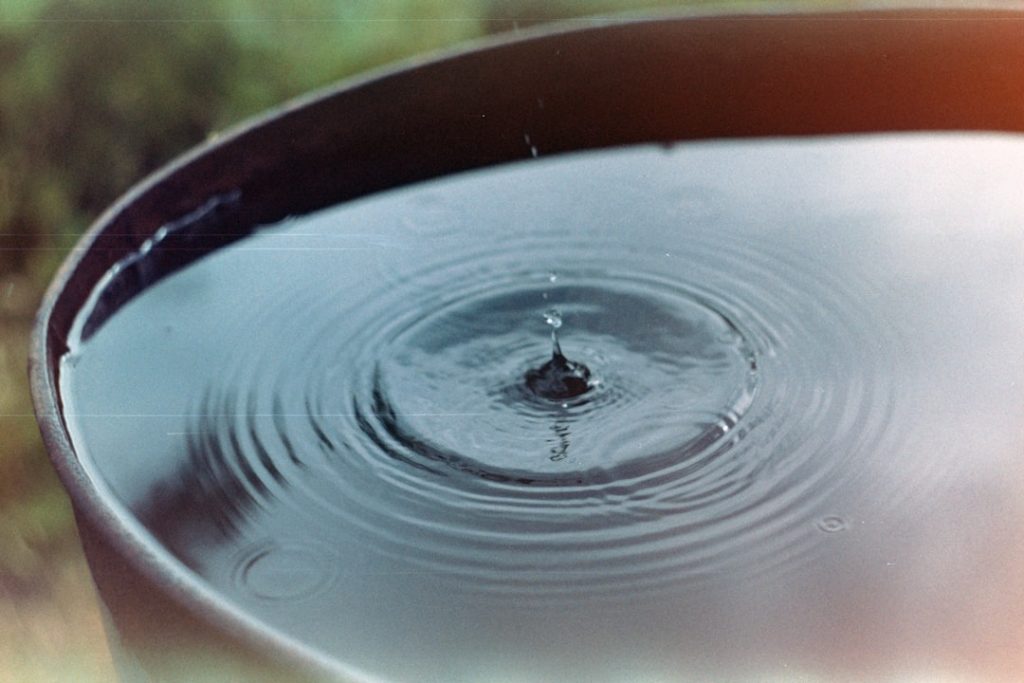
<point x="553" y="317"/>
<point x="529" y="143"/>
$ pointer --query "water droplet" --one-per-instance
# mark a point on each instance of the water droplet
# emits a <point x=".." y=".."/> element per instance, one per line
<point x="553" y="317"/>
<point x="529" y="143"/>
<point x="832" y="524"/>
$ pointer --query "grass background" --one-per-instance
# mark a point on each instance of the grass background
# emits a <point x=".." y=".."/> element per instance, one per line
<point x="94" y="94"/>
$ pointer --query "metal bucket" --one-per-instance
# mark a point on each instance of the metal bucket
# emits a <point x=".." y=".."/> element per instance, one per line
<point x="605" y="85"/>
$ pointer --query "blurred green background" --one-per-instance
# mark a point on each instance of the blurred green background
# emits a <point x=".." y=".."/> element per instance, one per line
<point x="95" y="94"/>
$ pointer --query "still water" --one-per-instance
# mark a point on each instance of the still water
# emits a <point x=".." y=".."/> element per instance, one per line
<point x="788" y="439"/>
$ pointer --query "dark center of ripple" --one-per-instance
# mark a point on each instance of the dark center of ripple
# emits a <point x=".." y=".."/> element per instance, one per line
<point x="559" y="378"/>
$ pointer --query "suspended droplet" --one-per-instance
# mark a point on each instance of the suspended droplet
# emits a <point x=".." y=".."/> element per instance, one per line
<point x="553" y="317"/>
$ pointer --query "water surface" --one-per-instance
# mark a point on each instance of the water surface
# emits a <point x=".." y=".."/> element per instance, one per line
<point x="799" y="450"/>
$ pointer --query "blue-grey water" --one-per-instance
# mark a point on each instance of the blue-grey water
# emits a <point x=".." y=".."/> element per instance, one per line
<point x="799" y="454"/>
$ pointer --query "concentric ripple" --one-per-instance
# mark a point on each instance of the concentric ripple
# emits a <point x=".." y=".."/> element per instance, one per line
<point x="380" y="392"/>
<point x="460" y="370"/>
<point x="722" y="410"/>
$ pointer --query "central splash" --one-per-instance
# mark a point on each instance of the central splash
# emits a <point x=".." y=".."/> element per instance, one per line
<point x="560" y="378"/>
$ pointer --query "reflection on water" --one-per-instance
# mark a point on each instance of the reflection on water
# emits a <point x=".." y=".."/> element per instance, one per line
<point x="798" y="450"/>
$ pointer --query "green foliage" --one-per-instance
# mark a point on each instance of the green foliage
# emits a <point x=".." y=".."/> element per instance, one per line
<point x="97" y="93"/>
<point x="89" y="106"/>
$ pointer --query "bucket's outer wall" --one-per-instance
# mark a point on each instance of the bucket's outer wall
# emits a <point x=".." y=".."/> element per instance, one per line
<point x="644" y="81"/>
<point x="156" y="638"/>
